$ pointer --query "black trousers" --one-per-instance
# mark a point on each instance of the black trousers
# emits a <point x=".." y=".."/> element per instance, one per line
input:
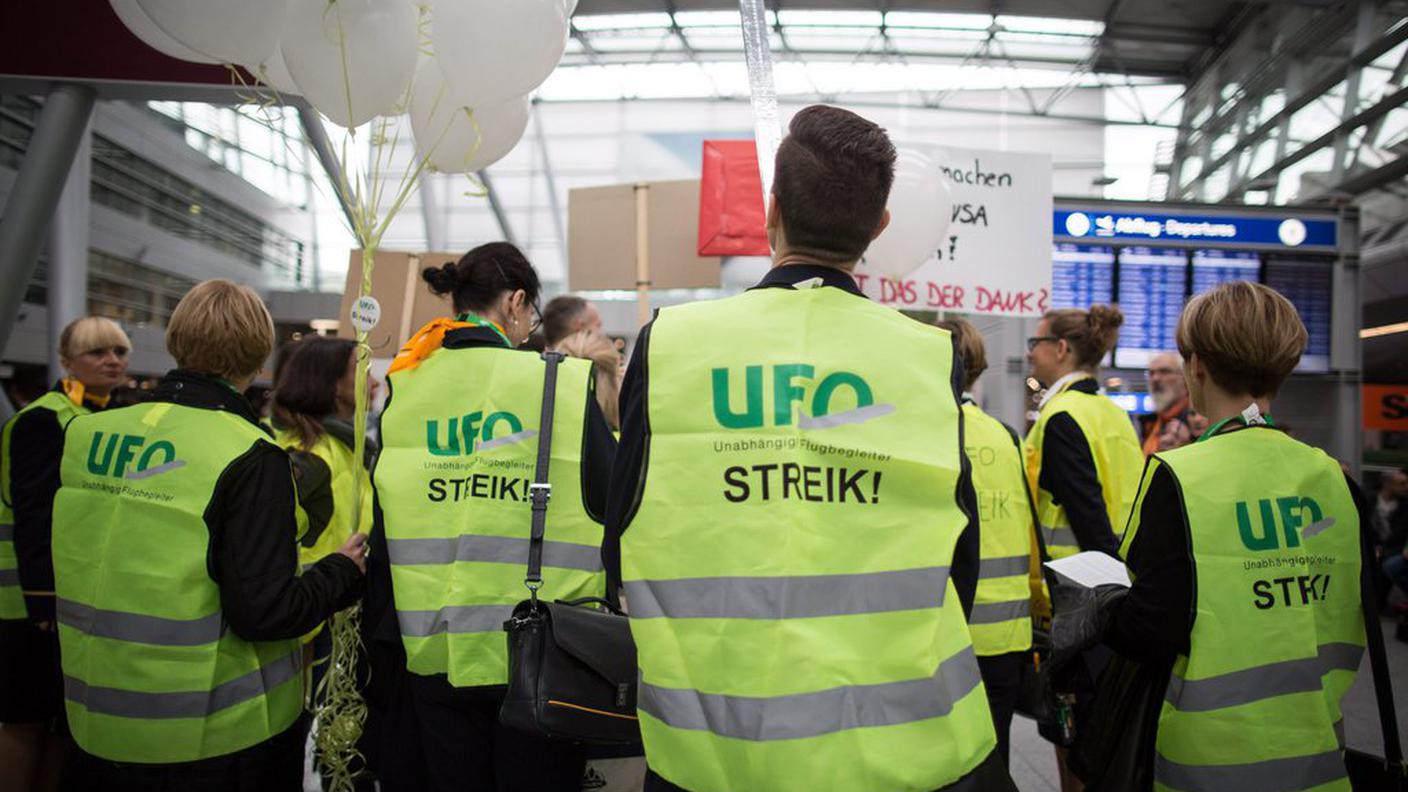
<point x="444" y="739"/>
<point x="275" y="765"/>
<point x="1002" y="677"/>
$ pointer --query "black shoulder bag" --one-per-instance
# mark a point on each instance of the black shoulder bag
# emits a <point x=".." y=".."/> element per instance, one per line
<point x="1366" y="771"/>
<point x="571" y="669"/>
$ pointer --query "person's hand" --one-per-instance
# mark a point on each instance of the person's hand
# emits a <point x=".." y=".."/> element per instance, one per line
<point x="592" y="345"/>
<point x="1175" y="435"/>
<point x="44" y="626"/>
<point x="355" y="548"/>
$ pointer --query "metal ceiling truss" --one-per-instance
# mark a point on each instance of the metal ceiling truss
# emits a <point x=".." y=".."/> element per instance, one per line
<point x="1307" y="56"/>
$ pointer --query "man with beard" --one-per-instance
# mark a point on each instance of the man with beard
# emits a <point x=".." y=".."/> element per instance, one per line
<point x="1168" y="427"/>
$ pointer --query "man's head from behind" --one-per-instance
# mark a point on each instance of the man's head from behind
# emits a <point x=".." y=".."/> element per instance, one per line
<point x="832" y="181"/>
<point x="567" y="314"/>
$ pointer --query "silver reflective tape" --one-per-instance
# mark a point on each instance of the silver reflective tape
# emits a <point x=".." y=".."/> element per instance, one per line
<point x="1319" y="526"/>
<point x="1273" y="775"/>
<point x="7" y="532"/>
<point x="174" y="464"/>
<point x="850" y="417"/>
<point x="1004" y="567"/>
<point x="9" y="577"/>
<point x="140" y="628"/>
<point x="454" y="619"/>
<point x="491" y="549"/>
<point x="505" y="440"/>
<point x="787" y="597"/>
<point x="1261" y="682"/>
<point x="1059" y="537"/>
<point x="804" y="715"/>
<point x="193" y="704"/>
<point x="998" y="612"/>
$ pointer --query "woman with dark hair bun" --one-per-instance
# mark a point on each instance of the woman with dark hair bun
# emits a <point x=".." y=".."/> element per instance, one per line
<point x="1083" y="463"/>
<point x="460" y="435"/>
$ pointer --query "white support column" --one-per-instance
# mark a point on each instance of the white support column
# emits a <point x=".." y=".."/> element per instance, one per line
<point x="68" y="250"/>
<point x="1346" y="350"/>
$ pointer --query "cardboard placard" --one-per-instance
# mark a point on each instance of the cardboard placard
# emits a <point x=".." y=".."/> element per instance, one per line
<point x="406" y="301"/>
<point x="601" y="233"/>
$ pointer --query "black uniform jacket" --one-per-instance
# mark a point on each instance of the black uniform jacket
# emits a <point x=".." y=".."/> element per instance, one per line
<point x="34" y="479"/>
<point x="627" y="479"/>
<point x="379" y="611"/>
<point x="1068" y="473"/>
<point x="1155" y="621"/>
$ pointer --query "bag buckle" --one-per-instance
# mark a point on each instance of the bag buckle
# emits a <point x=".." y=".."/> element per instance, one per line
<point x="539" y="495"/>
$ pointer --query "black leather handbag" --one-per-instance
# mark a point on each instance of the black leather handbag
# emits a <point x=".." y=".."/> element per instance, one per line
<point x="571" y="668"/>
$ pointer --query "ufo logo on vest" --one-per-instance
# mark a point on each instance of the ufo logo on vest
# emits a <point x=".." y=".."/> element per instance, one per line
<point x="116" y="455"/>
<point x="829" y="398"/>
<point x="1290" y="513"/>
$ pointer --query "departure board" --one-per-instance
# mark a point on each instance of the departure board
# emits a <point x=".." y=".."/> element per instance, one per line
<point x="1153" y="283"/>
<point x="1211" y="267"/>
<point x="1081" y="275"/>
<point x="1306" y="283"/>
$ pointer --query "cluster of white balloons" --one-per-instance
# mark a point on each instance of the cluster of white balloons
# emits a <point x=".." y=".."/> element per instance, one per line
<point x="355" y="60"/>
<point x="921" y="208"/>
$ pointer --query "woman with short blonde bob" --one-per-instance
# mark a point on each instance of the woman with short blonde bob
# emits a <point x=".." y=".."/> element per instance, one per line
<point x="1245" y="553"/>
<point x="93" y="352"/>
<point x="176" y="570"/>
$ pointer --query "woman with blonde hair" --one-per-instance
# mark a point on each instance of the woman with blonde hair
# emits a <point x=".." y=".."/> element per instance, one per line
<point x="1245" y="551"/>
<point x="1083" y="461"/>
<point x="176" y="571"/>
<point x="93" y="351"/>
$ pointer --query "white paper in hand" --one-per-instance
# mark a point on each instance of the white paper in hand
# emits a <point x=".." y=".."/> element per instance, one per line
<point x="1091" y="569"/>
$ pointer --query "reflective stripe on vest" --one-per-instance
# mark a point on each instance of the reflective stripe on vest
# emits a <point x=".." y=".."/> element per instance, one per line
<point x="11" y="597"/>
<point x="459" y="448"/>
<point x="152" y="674"/>
<point x="772" y="570"/>
<point x="1001" y="621"/>
<point x="1277" y="636"/>
<point x="184" y="704"/>
<point x="793" y="597"/>
<point x="1118" y="458"/>
<point x="803" y="715"/>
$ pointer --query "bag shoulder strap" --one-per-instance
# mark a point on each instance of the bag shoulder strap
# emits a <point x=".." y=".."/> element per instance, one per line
<point x="540" y="491"/>
<point x="1378" y="661"/>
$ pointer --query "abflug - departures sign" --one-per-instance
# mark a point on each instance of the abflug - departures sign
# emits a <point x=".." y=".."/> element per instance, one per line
<point x="1218" y="230"/>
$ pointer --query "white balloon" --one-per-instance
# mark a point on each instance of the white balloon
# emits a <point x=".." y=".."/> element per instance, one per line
<point x="145" y="29"/>
<point x="921" y="208"/>
<point x="351" y="59"/>
<point x="229" y="31"/>
<point x="273" y="72"/>
<point x="446" y="135"/>
<point x="491" y="50"/>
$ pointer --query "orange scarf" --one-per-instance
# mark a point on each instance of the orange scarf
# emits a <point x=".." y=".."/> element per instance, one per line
<point x="426" y="340"/>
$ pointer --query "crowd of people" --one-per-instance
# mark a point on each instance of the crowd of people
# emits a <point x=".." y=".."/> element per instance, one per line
<point x="831" y="557"/>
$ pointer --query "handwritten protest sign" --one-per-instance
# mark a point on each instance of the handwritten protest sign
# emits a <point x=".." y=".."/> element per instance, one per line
<point x="997" y="258"/>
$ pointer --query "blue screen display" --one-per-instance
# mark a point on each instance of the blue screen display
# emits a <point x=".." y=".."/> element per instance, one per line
<point x="1152" y="285"/>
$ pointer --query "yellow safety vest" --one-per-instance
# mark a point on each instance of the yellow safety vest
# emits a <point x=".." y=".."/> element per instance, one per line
<point x="1118" y="463"/>
<point x="787" y="569"/>
<point x="459" y="449"/>
<point x="1001" y="621"/>
<point x="152" y="673"/>
<point x="1277" y="627"/>
<point x="11" y="597"/>
<point x="350" y="480"/>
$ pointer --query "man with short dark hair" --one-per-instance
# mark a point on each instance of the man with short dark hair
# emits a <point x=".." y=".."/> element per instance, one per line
<point x="792" y="521"/>
<point x="567" y="314"/>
